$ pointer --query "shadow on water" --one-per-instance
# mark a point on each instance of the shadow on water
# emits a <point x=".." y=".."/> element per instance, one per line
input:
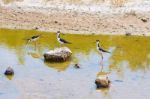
<point x="128" y="62"/>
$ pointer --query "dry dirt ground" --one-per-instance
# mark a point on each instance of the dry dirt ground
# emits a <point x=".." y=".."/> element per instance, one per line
<point x="73" y="21"/>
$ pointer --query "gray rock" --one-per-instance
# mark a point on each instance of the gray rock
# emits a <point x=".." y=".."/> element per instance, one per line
<point x="58" y="55"/>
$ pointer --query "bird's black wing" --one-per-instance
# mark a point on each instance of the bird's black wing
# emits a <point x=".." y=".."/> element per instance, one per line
<point x="36" y="36"/>
<point x="64" y="41"/>
<point x="103" y="50"/>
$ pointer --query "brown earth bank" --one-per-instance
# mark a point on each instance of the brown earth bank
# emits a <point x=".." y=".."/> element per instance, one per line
<point x="73" y="21"/>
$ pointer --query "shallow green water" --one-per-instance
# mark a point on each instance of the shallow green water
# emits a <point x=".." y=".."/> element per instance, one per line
<point x="128" y="67"/>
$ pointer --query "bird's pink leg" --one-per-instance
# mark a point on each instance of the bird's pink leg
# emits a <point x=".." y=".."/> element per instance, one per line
<point x="35" y="45"/>
<point x="101" y="62"/>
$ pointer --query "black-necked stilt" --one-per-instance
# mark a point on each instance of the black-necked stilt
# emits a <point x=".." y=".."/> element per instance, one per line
<point x="100" y="50"/>
<point x="60" y="40"/>
<point x="33" y="38"/>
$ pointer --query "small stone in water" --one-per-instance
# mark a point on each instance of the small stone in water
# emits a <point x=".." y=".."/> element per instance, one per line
<point x="102" y="83"/>
<point x="9" y="71"/>
<point x="76" y="66"/>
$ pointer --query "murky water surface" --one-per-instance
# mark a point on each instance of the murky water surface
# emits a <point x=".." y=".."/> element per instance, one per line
<point x="127" y="65"/>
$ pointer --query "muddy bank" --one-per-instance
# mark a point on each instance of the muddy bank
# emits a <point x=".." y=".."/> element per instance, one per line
<point x="113" y="21"/>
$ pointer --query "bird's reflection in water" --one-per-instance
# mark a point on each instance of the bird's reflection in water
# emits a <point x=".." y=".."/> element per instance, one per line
<point x="34" y="54"/>
<point x="34" y="49"/>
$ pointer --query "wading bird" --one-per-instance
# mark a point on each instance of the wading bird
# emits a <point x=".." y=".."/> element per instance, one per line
<point x="101" y="51"/>
<point x="61" y="40"/>
<point x="33" y="39"/>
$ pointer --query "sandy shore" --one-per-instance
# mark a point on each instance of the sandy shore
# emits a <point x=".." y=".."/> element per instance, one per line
<point x="117" y="21"/>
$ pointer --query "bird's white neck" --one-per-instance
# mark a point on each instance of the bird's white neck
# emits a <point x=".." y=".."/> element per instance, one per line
<point x="97" y="45"/>
<point x="58" y="35"/>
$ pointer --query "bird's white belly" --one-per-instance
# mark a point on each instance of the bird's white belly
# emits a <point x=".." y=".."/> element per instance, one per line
<point x="60" y="41"/>
<point x="98" y="50"/>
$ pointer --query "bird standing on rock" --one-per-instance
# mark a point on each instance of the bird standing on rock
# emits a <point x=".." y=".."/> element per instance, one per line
<point x="61" y="40"/>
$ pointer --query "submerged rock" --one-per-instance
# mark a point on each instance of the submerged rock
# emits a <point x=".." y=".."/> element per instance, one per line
<point x="77" y="66"/>
<point x="9" y="71"/>
<point x="102" y="81"/>
<point x="58" y="55"/>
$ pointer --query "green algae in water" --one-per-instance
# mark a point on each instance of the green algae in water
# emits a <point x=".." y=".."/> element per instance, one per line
<point x="35" y="77"/>
<point x="133" y="49"/>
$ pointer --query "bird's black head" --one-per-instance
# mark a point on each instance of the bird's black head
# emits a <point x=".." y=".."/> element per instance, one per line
<point x="58" y="32"/>
<point x="97" y="41"/>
